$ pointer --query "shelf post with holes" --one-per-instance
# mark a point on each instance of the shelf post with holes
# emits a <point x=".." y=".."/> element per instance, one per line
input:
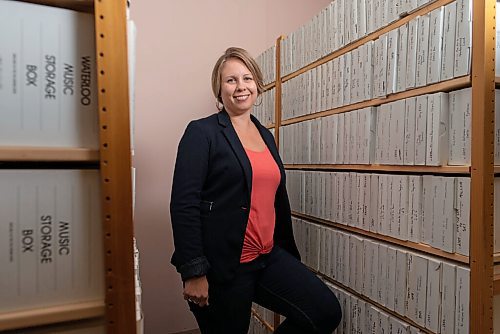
<point x="115" y="157"/>
<point x="482" y="169"/>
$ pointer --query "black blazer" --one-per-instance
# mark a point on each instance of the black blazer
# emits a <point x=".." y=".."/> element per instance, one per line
<point x="210" y="200"/>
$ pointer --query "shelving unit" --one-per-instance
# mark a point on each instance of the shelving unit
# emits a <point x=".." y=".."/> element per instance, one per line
<point x="114" y="158"/>
<point x="483" y="283"/>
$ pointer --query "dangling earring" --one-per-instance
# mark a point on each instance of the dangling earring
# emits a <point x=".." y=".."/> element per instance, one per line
<point x="219" y="105"/>
<point x="258" y="104"/>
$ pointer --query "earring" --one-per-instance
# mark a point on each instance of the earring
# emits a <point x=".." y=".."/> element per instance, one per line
<point x="259" y="103"/>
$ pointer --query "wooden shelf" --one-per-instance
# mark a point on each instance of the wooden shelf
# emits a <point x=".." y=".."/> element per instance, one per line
<point x="50" y="315"/>
<point x="79" y="5"/>
<point x="48" y="154"/>
<point x="406" y="244"/>
<point x="373" y="302"/>
<point x="444" y="86"/>
<point x="370" y="37"/>
<point x="270" y="126"/>
<point x="262" y="321"/>
<point x="270" y="86"/>
<point x="386" y="168"/>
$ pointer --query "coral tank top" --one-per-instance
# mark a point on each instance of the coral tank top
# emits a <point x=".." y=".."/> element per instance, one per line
<point x="260" y="228"/>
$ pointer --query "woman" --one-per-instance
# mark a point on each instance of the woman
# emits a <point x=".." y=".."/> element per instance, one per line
<point x="231" y="217"/>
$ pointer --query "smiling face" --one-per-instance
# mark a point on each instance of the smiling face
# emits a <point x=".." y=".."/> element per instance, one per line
<point x="238" y="89"/>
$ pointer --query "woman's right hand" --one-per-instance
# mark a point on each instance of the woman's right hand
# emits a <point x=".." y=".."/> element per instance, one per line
<point x="196" y="290"/>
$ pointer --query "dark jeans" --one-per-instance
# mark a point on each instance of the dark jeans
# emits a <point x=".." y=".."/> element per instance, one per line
<point x="278" y="282"/>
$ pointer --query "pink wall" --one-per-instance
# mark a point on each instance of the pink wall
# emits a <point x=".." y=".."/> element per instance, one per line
<point x="178" y="43"/>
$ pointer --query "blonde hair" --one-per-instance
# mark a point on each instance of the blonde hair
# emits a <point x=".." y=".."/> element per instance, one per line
<point x="249" y="62"/>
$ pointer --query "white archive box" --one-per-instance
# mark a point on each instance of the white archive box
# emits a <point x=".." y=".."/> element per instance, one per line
<point x="368" y="70"/>
<point x="437" y="130"/>
<point x="416" y="288"/>
<point x="380" y="66"/>
<point x="422" y="50"/>
<point x="50" y="238"/>
<point x="497" y="127"/>
<point x="433" y="296"/>
<point x="346" y="88"/>
<point x="444" y="216"/>
<point x="496" y="215"/>
<point x="463" y="38"/>
<point x="460" y="120"/>
<point x="415" y="202"/>
<point x="392" y="60"/>
<point x="391" y="277"/>
<point x="421" y="129"/>
<point x="48" y="86"/>
<point x="411" y="61"/>
<point x="435" y="45"/>
<point x="402" y="209"/>
<point x="448" y="53"/>
<point x="462" y="300"/>
<point x="497" y="47"/>
<point x="462" y="213"/>
<point x="402" y="58"/>
<point x="409" y="131"/>
<point x="448" y="291"/>
<point x="396" y="132"/>
<point x="401" y="281"/>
